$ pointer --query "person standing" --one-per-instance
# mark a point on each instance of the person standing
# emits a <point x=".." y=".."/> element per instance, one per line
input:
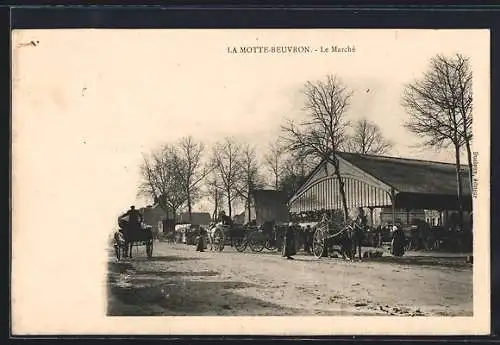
<point x="359" y="228"/>
<point x="289" y="248"/>
<point x="200" y="243"/>
<point x="398" y="241"/>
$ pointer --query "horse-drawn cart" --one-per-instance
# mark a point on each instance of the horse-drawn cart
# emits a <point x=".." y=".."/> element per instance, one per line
<point x="328" y="235"/>
<point x="129" y="237"/>
<point x="240" y="237"/>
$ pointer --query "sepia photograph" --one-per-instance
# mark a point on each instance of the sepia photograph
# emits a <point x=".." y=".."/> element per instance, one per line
<point x="249" y="174"/>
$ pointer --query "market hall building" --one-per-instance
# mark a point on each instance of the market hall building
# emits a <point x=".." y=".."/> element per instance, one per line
<point x="392" y="190"/>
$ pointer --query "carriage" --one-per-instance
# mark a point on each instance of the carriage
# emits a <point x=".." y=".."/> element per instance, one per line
<point x="128" y="237"/>
<point x="329" y="235"/>
<point x="240" y="237"/>
<point x="228" y="235"/>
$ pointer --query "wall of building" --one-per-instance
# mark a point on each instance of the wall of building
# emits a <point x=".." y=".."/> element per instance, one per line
<point x="153" y="216"/>
<point x="267" y="210"/>
<point x="401" y="216"/>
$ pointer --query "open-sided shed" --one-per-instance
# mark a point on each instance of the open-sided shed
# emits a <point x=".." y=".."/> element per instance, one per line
<point x="377" y="181"/>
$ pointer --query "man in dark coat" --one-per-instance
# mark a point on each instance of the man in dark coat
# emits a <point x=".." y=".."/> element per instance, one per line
<point x="134" y="220"/>
<point x="135" y="217"/>
<point x="289" y="247"/>
<point x="225" y="220"/>
<point x="129" y="226"/>
<point x="359" y="228"/>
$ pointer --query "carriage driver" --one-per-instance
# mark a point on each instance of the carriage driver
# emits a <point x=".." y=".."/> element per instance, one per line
<point x="135" y="218"/>
<point x="223" y="219"/>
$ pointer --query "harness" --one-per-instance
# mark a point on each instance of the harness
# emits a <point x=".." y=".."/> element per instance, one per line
<point x="347" y="228"/>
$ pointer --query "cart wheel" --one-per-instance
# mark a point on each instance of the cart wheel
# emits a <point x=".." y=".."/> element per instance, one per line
<point x="319" y="243"/>
<point x="117" y="252"/>
<point x="269" y="244"/>
<point x="149" y="248"/>
<point x="256" y="242"/>
<point x="240" y="244"/>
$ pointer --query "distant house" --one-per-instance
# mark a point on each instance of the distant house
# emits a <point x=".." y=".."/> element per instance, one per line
<point x="267" y="205"/>
<point x="197" y="218"/>
<point x="239" y="218"/>
<point x="154" y="215"/>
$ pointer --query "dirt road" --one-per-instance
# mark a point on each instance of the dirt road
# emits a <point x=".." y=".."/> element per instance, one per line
<point x="180" y="281"/>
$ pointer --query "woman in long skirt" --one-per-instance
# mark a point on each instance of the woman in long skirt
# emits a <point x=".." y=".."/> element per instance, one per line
<point x="289" y="248"/>
<point x="398" y="242"/>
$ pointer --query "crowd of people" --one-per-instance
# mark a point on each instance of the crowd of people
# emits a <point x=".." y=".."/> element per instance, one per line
<point x="289" y="239"/>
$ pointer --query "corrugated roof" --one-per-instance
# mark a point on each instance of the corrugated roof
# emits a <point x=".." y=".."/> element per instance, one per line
<point x="412" y="175"/>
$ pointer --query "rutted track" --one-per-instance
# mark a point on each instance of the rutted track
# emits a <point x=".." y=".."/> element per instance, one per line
<point x="180" y="281"/>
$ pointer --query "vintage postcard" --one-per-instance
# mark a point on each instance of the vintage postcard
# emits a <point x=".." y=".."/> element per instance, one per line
<point x="280" y="182"/>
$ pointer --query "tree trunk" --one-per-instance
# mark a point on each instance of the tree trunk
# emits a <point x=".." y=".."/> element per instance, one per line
<point x="341" y="189"/>
<point x="249" y="210"/>
<point x="174" y="214"/>
<point x="190" y="211"/>
<point x="469" y="161"/>
<point x="229" y="204"/>
<point x="459" y="183"/>
<point x="216" y="208"/>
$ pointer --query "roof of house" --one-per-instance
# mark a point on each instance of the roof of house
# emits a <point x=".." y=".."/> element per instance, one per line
<point x="239" y="218"/>
<point x="412" y="175"/>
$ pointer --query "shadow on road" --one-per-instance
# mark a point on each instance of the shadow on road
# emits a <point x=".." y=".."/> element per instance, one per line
<point x="165" y="258"/>
<point x="177" y="273"/>
<point x="119" y="267"/>
<point x="450" y="262"/>
<point x="167" y="294"/>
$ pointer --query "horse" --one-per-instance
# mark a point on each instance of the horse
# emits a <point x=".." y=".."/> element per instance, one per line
<point x="126" y="236"/>
<point x="212" y="228"/>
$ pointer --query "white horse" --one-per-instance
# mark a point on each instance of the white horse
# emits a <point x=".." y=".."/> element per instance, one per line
<point x="212" y="229"/>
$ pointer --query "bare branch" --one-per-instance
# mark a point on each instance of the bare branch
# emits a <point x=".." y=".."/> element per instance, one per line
<point x="367" y="138"/>
<point x="323" y="132"/>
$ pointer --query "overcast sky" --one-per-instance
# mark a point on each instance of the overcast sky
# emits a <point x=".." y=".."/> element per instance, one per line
<point x="88" y="103"/>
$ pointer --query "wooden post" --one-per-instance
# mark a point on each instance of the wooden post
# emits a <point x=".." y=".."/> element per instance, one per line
<point x="393" y="197"/>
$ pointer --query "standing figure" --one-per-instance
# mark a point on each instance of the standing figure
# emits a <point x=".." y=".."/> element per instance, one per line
<point x="289" y="248"/>
<point x="200" y="241"/>
<point x="358" y="233"/>
<point x="308" y="239"/>
<point x="398" y="241"/>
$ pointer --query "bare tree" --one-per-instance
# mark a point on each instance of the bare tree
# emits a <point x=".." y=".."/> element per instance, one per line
<point x="250" y="177"/>
<point x="298" y="163"/>
<point x="274" y="160"/>
<point x="439" y="108"/>
<point x="160" y="180"/>
<point x="226" y="161"/>
<point x="213" y="192"/>
<point x="188" y="167"/>
<point x="367" y="138"/>
<point x="324" y="130"/>
<point x="461" y="65"/>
